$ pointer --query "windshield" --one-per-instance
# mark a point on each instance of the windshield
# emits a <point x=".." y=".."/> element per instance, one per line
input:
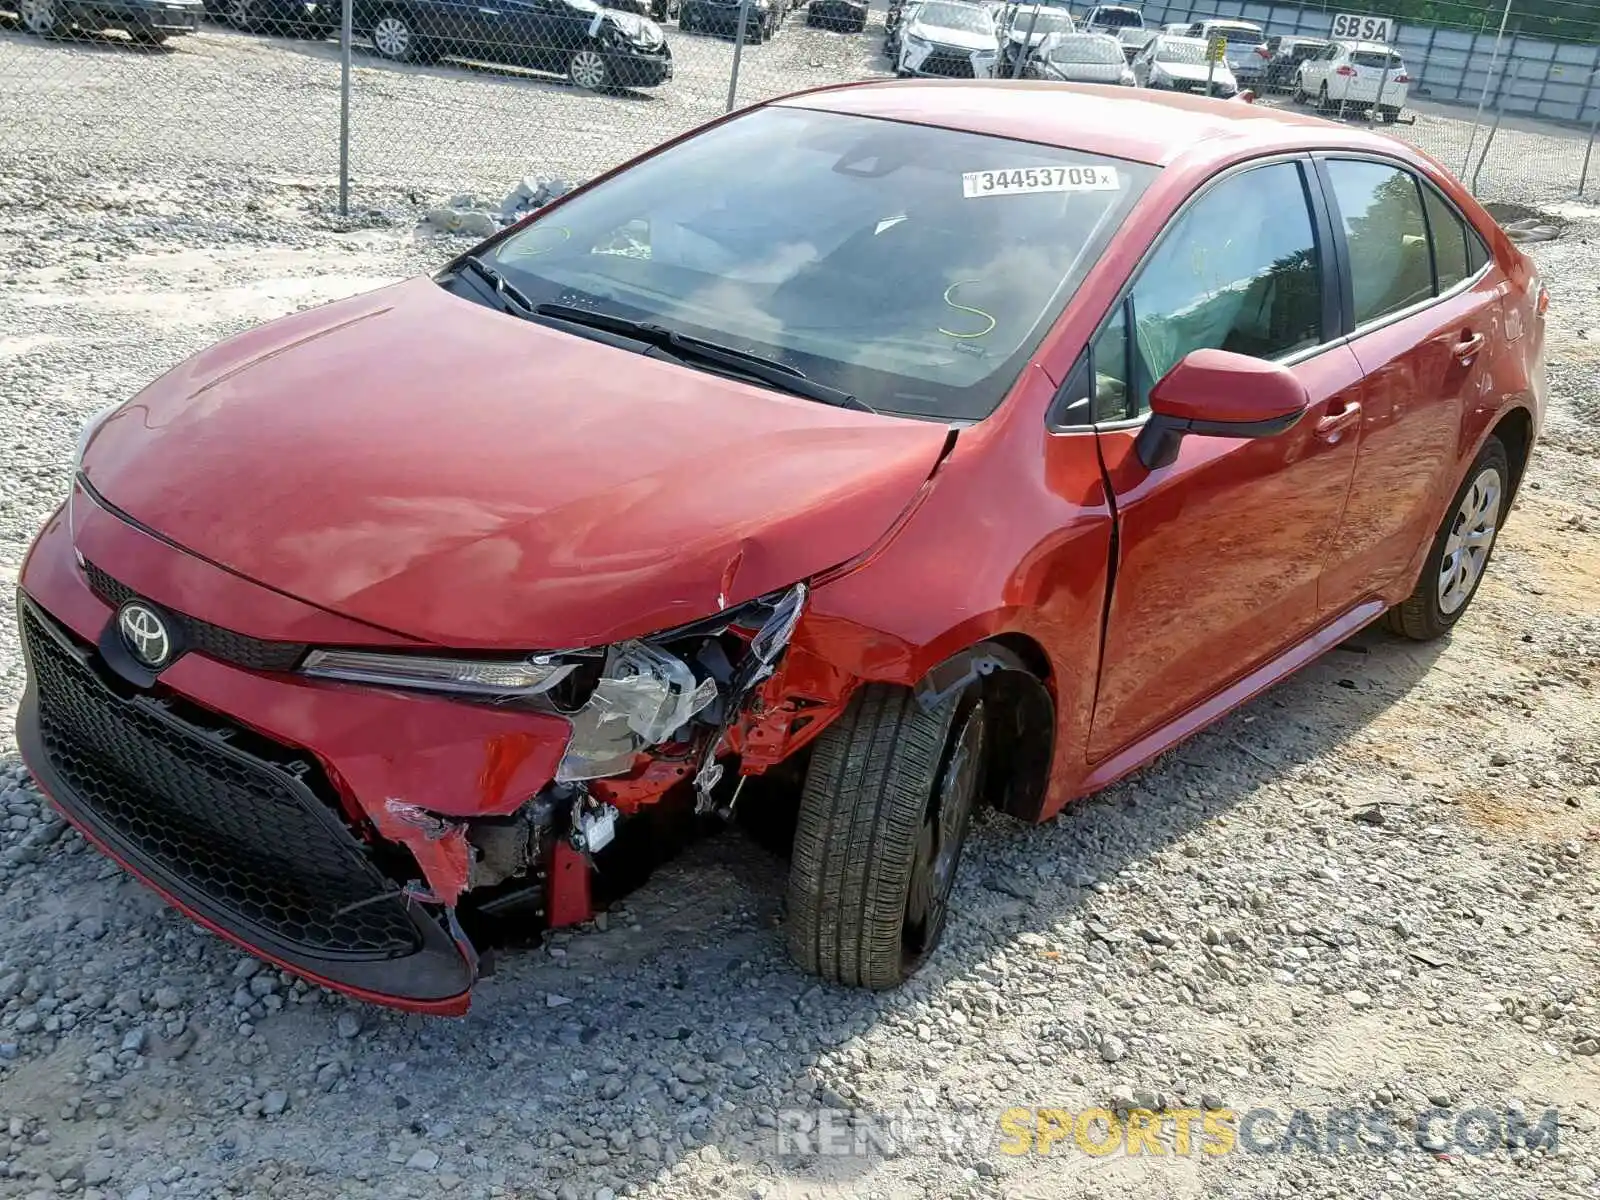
<point x="1119" y="18"/>
<point x="1182" y="50"/>
<point x="1087" y="50"/>
<point x="1046" y="22"/>
<point x="913" y="267"/>
<point x="965" y="17"/>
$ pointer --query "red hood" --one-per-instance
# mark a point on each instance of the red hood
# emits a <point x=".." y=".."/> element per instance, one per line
<point x="413" y="460"/>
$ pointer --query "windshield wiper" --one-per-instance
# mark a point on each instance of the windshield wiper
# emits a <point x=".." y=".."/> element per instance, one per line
<point x="510" y="296"/>
<point x="687" y="347"/>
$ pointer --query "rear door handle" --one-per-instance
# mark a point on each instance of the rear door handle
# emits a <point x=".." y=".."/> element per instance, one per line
<point x="1467" y="348"/>
<point x="1332" y="427"/>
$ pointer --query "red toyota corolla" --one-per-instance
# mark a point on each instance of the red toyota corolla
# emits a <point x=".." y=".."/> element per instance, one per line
<point x="930" y="444"/>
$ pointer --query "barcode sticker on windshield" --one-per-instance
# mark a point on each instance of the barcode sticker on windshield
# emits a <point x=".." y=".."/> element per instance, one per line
<point x="1039" y="179"/>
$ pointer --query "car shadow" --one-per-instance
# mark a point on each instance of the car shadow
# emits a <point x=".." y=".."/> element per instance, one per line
<point x="111" y="41"/>
<point x="640" y="990"/>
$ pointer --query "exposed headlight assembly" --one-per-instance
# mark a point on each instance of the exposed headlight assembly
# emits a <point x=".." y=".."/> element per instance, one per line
<point x="619" y="699"/>
<point x="491" y="678"/>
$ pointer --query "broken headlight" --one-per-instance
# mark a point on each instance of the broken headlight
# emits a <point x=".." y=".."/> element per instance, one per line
<point x="650" y="691"/>
<point x="509" y="678"/>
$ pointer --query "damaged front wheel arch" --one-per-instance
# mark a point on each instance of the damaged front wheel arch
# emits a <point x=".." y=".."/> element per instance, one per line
<point x="1012" y="673"/>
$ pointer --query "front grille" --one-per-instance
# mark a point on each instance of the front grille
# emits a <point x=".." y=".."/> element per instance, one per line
<point x="253" y="654"/>
<point x="948" y="63"/>
<point x="197" y="802"/>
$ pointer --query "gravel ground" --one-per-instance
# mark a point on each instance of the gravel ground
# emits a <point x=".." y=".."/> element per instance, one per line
<point x="1374" y="888"/>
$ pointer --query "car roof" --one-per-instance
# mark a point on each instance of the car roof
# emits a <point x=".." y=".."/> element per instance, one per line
<point x="1232" y="22"/>
<point x="1145" y="126"/>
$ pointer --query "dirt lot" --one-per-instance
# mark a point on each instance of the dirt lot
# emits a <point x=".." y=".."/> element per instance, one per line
<point x="1373" y="889"/>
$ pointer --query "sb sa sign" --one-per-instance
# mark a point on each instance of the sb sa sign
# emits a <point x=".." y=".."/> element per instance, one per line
<point x="1353" y="27"/>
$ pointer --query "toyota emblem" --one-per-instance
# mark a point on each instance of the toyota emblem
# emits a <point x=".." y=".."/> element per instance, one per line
<point x="145" y="635"/>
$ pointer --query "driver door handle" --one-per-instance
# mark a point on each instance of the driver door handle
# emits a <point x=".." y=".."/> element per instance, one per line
<point x="1467" y="348"/>
<point x="1332" y="427"/>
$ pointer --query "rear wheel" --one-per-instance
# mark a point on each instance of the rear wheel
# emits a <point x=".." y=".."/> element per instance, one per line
<point x="883" y="819"/>
<point x="1461" y="550"/>
<point x="1389" y="114"/>
<point x="394" y="39"/>
<point x="1323" y="102"/>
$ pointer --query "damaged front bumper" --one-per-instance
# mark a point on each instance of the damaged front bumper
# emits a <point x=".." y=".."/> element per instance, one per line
<point x="341" y="830"/>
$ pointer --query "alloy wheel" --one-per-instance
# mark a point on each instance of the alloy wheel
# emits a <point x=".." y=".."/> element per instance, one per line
<point x="38" y="16"/>
<point x="391" y="36"/>
<point x="588" y="70"/>
<point x="1466" y="549"/>
<point x="943" y="833"/>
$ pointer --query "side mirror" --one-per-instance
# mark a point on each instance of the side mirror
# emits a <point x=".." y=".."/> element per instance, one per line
<point x="1219" y="394"/>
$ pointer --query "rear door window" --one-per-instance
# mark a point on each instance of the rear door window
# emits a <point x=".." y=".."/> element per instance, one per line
<point x="1451" y="261"/>
<point x="1391" y="264"/>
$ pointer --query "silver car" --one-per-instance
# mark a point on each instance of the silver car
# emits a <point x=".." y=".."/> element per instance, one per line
<point x="1084" y="58"/>
<point x="1179" y="64"/>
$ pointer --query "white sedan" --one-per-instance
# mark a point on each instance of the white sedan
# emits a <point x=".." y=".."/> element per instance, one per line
<point x="1364" y="76"/>
<point x="1179" y="64"/>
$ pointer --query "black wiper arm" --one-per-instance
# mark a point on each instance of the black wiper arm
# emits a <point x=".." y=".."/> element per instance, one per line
<point x="510" y="296"/>
<point x="686" y="346"/>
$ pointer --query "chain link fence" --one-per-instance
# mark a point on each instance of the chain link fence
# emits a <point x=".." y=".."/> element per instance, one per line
<point x="430" y="98"/>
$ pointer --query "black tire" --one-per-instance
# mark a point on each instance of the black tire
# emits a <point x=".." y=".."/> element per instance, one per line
<point x="42" y="18"/>
<point x="1423" y="615"/>
<point x="1323" y="103"/>
<point x="686" y="19"/>
<point x="890" y="786"/>
<point x="1389" y="115"/>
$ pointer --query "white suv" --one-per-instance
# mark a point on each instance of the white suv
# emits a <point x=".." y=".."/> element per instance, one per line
<point x="1364" y="76"/>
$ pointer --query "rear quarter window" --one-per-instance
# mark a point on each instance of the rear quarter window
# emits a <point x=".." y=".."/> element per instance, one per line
<point x="1372" y="58"/>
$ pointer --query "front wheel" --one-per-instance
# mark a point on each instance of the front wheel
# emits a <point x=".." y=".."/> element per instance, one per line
<point x="41" y="18"/>
<point x="587" y="69"/>
<point x="884" y="813"/>
<point x="1461" y="549"/>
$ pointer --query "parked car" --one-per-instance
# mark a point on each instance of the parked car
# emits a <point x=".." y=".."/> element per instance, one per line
<point x="1243" y="39"/>
<point x="1023" y="30"/>
<point x="1179" y="28"/>
<point x="1077" y="424"/>
<point x="1361" y="76"/>
<point x="656" y="10"/>
<point x="1179" y="64"/>
<point x="147" y="21"/>
<point x="762" y="18"/>
<point x="1121" y="21"/>
<point x="1283" y="57"/>
<point x="946" y="38"/>
<point x="1084" y="58"/>
<point x="595" y="48"/>
<point x="847" y="16"/>
<point x="286" y="18"/>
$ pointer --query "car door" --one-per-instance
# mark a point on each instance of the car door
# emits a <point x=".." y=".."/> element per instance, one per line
<point x="1314" y="71"/>
<point x="1424" y="307"/>
<point x="536" y="33"/>
<point x="1141" y="63"/>
<point x="1219" y="554"/>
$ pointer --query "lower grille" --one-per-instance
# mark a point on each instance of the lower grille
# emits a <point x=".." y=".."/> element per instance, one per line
<point x="948" y="65"/>
<point x="191" y="807"/>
